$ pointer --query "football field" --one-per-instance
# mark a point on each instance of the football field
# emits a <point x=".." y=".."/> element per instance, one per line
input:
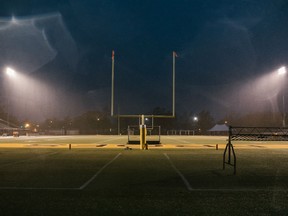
<point x="102" y="175"/>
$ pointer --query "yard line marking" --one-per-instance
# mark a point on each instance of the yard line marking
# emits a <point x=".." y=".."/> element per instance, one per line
<point x="93" y="177"/>
<point x="29" y="159"/>
<point x="188" y="186"/>
<point x="112" y="139"/>
<point x="177" y="139"/>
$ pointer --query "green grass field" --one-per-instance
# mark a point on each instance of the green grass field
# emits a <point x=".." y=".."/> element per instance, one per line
<point x="38" y="178"/>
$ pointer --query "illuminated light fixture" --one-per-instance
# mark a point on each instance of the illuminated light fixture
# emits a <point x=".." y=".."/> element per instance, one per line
<point x="10" y="72"/>
<point x="13" y="19"/>
<point x="282" y="70"/>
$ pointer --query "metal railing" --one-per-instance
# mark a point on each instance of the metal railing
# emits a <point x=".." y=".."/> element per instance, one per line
<point x="250" y="134"/>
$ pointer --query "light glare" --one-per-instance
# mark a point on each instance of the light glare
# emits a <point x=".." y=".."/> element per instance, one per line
<point x="282" y="71"/>
<point x="10" y="72"/>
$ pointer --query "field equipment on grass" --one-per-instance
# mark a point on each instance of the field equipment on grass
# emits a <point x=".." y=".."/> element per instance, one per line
<point x="251" y="134"/>
<point x="153" y="134"/>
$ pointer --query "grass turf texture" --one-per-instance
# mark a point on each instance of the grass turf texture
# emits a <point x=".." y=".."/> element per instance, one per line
<point x="48" y="181"/>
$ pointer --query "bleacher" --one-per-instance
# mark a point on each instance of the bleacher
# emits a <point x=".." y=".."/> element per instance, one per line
<point x="6" y="129"/>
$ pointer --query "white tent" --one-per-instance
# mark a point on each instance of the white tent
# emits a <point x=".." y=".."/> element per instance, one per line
<point x="219" y="128"/>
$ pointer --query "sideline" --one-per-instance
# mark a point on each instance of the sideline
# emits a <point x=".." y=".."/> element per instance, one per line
<point x="93" y="177"/>
<point x="188" y="186"/>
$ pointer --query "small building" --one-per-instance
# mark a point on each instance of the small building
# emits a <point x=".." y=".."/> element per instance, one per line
<point x="7" y="130"/>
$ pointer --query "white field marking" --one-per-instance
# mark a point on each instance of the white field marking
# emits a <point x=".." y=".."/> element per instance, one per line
<point x="178" y="140"/>
<point x="99" y="171"/>
<point x="38" y="138"/>
<point x="188" y="186"/>
<point x="29" y="159"/>
<point x="80" y="188"/>
<point x="99" y="142"/>
<point x="112" y="139"/>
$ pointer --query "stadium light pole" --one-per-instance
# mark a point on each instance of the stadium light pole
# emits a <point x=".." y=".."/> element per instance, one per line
<point x="282" y="72"/>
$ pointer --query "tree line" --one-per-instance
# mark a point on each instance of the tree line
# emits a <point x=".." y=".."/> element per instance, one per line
<point x="100" y="121"/>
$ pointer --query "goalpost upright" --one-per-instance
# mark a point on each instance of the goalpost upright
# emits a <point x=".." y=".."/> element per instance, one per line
<point x="142" y="126"/>
<point x="173" y="84"/>
<point x="112" y="85"/>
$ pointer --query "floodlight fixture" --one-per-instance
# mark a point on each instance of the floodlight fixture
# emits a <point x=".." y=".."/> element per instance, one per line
<point x="282" y="70"/>
<point x="10" y="72"/>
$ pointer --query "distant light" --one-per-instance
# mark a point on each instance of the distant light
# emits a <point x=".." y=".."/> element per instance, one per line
<point x="10" y="72"/>
<point x="195" y="119"/>
<point x="282" y="70"/>
<point x="27" y="125"/>
<point x="13" y="19"/>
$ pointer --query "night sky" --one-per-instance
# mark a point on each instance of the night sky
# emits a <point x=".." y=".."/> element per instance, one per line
<point x="224" y="47"/>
